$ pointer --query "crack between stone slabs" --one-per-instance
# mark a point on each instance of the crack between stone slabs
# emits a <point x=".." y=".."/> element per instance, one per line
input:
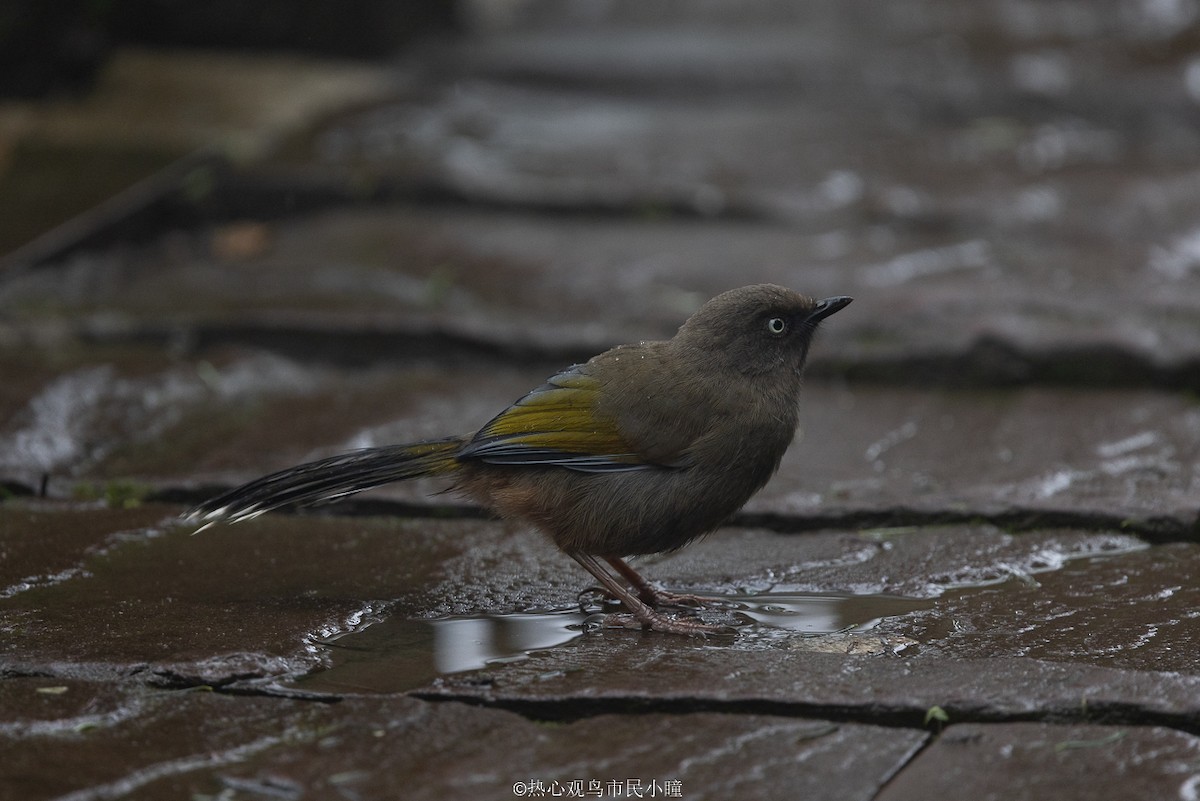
<point x="568" y="710"/>
<point x="1113" y="713"/>
<point x="346" y="346"/>
<point x="159" y="202"/>
<point x="1154" y="529"/>
<point x="1109" y="713"/>
<point x="272" y="690"/>
<point x="258" y="684"/>
<point x="988" y="363"/>
<point x="26" y="673"/>
<point x="276" y="192"/>
<point x="74" y="671"/>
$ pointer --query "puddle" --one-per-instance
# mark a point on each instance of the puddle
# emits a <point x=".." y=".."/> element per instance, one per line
<point x="1133" y="608"/>
<point x="399" y="654"/>
<point x="826" y="613"/>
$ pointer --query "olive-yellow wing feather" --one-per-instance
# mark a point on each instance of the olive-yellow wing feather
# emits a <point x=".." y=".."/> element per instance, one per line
<point x="556" y="424"/>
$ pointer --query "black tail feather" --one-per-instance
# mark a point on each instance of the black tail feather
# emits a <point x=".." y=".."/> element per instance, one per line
<point x="329" y="479"/>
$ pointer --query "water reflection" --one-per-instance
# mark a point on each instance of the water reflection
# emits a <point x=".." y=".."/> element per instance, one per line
<point x="826" y="613"/>
<point x="399" y="654"/>
<point x="470" y="643"/>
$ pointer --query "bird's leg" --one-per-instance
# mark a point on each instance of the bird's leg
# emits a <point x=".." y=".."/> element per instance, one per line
<point x="642" y="615"/>
<point x="651" y="594"/>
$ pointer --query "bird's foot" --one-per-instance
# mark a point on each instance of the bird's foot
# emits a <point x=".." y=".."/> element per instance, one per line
<point x="653" y="596"/>
<point x="655" y="621"/>
<point x="659" y="598"/>
<point x="642" y="615"/>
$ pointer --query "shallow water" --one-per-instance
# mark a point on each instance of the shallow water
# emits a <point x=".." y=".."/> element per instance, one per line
<point x="1127" y="608"/>
<point x="399" y="653"/>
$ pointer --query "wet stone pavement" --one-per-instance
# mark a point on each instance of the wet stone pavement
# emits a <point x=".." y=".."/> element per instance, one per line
<point x="973" y="577"/>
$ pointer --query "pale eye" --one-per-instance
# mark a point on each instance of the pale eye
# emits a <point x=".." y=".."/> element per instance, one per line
<point x="777" y="325"/>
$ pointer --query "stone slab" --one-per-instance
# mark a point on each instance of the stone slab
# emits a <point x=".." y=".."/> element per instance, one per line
<point x="148" y="598"/>
<point x="606" y="673"/>
<point x="866" y="455"/>
<point x="711" y="756"/>
<point x="1127" y="456"/>
<point x="977" y="307"/>
<point x="234" y="601"/>
<point x="144" y="744"/>
<point x="41" y="548"/>
<point x="1134" y="610"/>
<point x="1011" y="761"/>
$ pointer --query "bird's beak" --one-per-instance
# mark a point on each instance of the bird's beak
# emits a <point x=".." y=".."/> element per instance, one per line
<point x="828" y="306"/>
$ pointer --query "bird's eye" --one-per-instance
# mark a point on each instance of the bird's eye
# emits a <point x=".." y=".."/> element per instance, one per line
<point x="777" y="325"/>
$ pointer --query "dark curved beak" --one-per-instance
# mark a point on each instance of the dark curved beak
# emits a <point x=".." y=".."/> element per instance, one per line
<point x="828" y="306"/>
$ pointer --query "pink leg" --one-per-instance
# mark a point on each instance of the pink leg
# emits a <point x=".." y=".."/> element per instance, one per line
<point x="642" y="615"/>
<point x="651" y="594"/>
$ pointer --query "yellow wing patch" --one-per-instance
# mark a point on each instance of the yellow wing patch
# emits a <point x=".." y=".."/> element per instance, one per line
<point x="556" y="424"/>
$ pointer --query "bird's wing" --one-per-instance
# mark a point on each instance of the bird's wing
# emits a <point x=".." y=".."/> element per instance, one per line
<point x="557" y="424"/>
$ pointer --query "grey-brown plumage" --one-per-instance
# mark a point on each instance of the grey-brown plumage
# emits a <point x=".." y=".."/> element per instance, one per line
<point x="640" y="450"/>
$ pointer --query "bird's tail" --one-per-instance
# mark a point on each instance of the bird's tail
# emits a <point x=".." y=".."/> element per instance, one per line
<point x="329" y="479"/>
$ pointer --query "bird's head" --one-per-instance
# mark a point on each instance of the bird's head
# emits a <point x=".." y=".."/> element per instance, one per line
<point x="756" y="329"/>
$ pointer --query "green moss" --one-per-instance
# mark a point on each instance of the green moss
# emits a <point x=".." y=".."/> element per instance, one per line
<point x="116" y="494"/>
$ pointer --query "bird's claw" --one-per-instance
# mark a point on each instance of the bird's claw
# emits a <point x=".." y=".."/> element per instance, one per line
<point x="660" y="623"/>
<point x="660" y="598"/>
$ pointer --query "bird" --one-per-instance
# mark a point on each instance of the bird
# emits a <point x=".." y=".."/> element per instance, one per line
<point x="640" y="450"/>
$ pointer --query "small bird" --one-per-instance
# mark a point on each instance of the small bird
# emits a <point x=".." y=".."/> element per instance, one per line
<point x="640" y="450"/>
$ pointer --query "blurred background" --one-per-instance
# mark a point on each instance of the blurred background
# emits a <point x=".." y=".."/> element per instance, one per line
<point x="1009" y="188"/>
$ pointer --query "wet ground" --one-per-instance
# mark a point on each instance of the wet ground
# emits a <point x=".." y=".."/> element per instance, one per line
<point x="973" y="576"/>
